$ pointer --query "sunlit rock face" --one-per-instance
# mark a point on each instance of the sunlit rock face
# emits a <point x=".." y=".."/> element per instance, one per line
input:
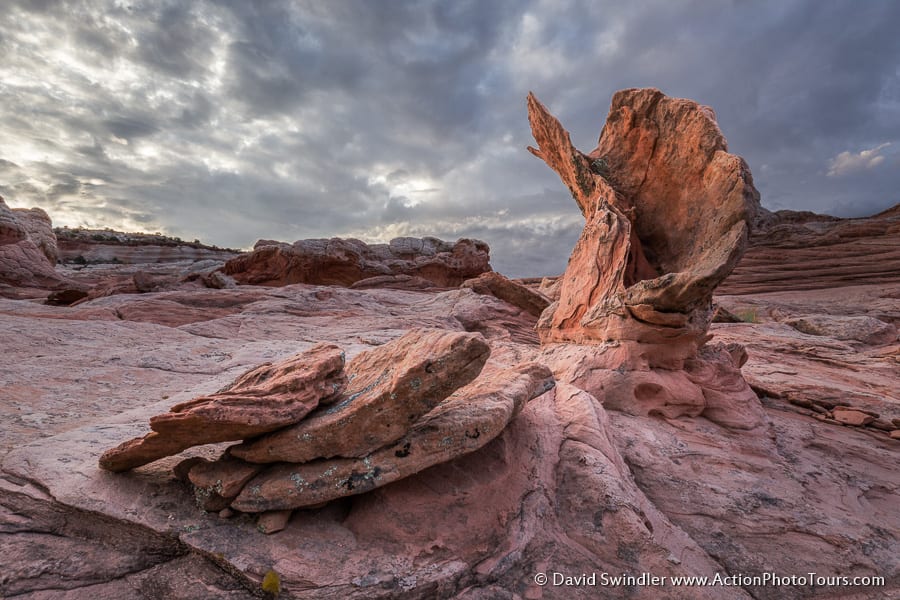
<point x="667" y="217"/>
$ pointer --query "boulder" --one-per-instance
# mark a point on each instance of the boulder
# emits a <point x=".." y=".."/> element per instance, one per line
<point x="389" y="388"/>
<point x="466" y="421"/>
<point x="338" y="261"/>
<point x="264" y="399"/>
<point x="518" y="295"/>
<point x="667" y="216"/>
<point x="867" y="330"/>
<point x="849" y="416"/>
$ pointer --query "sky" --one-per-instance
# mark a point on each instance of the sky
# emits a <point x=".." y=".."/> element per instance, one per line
<point x="231" y="121"/>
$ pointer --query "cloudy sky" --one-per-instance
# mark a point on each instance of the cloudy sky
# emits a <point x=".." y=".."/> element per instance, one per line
<point x="231" y="121"/>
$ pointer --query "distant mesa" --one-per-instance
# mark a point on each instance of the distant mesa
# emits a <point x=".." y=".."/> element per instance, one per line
<point x="97" y="246"/>
<point x="345" y="262"/>
<point x="667" y="214"/>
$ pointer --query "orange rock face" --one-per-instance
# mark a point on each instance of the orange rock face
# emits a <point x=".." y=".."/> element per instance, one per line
<point x="667" y="216"/>
<point x="667" y="213"/>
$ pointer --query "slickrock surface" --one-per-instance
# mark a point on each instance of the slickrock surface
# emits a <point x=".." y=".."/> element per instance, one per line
<point x="667" y="215"/>
<point x="264" y="399"/>
<point x="568" y="486"/>
<point x="388" y="389"/>
<point x="343" y="262"/>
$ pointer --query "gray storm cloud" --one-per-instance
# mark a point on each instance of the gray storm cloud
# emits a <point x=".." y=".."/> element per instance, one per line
<point x="233" y="121"/>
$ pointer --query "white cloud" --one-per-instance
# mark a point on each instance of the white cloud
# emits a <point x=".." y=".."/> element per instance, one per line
<point x="846" y="162"/>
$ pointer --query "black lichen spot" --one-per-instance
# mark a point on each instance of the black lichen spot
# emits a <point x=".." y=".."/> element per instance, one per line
<point x="473" y="436"/>
<point x="403" y="452"/>
<point x="429" y="367"/>
<point x="362" y="481"/>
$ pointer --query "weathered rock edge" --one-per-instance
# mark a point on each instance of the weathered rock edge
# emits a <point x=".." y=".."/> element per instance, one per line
<point x="264" y="399"/>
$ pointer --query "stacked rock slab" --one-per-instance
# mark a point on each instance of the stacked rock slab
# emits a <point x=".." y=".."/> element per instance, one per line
<point x="264" y="399"/>
<point x="315" y="430"/>
<point x="467" y="420"/>
<point x="668" y="212"/>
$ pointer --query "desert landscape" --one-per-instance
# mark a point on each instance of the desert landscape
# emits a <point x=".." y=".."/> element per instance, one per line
<point x="703" y="405"/>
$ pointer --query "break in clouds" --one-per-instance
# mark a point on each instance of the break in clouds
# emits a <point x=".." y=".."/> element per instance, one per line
<point x="234" y="121"/>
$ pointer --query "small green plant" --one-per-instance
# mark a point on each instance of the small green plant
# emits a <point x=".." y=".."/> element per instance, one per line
<point x="748" y="315"/>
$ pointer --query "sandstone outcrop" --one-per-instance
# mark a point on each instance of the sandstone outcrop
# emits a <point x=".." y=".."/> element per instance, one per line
<point x="338" y="261"/>
<point x="388" y="389"/>
<point x="101" y="246"/>
<point x="39" y="229"/>
<point x="793" y="250"/>
<point x="668" y="212"/>
<point x="28" y="251"/>
<point x="266" y="398"/>
<point x="397" y="409"/>
<point x="464" y="422"/>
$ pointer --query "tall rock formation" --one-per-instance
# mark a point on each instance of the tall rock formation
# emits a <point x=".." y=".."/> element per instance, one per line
<point x="668" y="213"/>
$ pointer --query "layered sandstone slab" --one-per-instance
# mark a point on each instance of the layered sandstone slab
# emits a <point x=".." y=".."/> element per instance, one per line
<point x="264" y="399"/>
<point x="467" y="420"/>
<point x="338" y="261"/>
<point x="389" y="388"/>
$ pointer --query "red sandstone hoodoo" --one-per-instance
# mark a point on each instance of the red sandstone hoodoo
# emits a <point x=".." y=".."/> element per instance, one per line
<point x="668" y="213"/>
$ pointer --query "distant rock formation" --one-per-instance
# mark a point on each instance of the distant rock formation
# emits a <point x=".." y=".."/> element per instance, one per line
<point x="100" y="246"/>
<point x="28" y="250"/>
<point x="338" y="261"/>
<point x="827" y="251"/>
<point x="668" y="213"/>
